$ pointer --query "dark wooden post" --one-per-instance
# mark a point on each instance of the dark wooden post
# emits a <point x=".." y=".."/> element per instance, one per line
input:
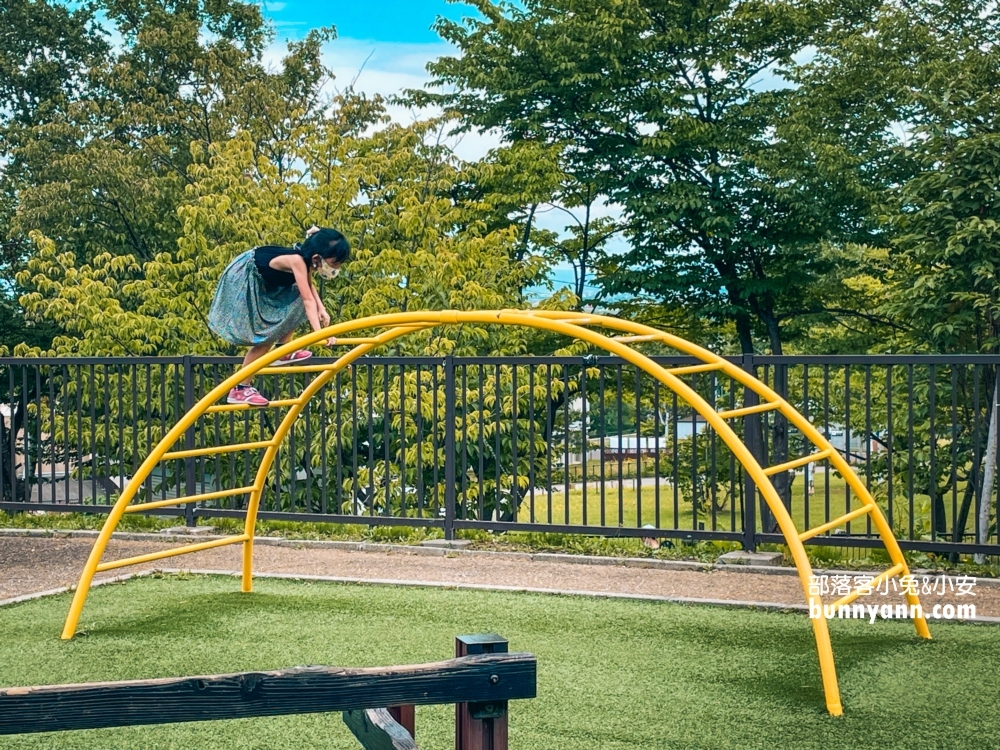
<point x="481" y="726"/>
<point x="489" y="679"/>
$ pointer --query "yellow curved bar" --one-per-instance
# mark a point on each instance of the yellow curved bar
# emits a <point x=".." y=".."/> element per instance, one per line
<point x="172" y="436"/>
<point x="569" y="324"/>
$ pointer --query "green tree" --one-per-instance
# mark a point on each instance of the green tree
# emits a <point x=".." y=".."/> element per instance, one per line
<point x="947" y="281"/>
<point x="920" y="82"/>
<point x="46" y="51"/>
<point x="415" y="247"/>
<point x="656" y="106"/>
<point x="726" y="207"/>
<point x="97" y="145"/>
<point x="905" y="93"/>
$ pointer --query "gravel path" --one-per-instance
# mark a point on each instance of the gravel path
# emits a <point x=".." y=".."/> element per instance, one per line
<point x="33" y="564"/>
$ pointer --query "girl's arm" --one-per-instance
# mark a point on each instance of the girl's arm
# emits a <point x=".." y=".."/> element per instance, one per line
<point x="324" y="316"/>
<point x="310" y="300"/>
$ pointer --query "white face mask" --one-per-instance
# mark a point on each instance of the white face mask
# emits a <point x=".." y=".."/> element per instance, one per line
<point x="325" y="272"/>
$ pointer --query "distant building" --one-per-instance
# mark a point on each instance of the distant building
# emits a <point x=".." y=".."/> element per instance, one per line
<point x="860" y="444"/>
<point x="631" y="446"/>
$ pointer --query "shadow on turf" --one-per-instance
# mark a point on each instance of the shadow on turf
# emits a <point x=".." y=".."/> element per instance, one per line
<point x="201" y="614"/>
<point x="766" y="656"/>
<point x="774" y="657"/>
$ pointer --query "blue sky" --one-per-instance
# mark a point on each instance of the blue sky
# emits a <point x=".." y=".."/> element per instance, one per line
<point x="383" y="49"/>
<point x="400" y="21"/>
<point x="389" y="45"/>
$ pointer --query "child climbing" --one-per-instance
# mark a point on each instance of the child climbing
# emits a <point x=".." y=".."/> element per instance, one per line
<point x="267" y="292"/>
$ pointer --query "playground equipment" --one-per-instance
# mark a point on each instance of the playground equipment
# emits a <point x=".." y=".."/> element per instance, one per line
<point x="575" y="325"/>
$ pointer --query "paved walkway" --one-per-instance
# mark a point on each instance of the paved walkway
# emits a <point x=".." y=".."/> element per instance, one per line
<point x="30" y="564"/>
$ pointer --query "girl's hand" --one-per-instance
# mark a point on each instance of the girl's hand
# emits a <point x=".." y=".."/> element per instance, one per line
<point x="324" y="318"/>
<point x="311" y="231"/>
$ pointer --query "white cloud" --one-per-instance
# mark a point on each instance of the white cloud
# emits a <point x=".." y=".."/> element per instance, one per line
<point x="387" y="69"/>
<point x="382" y="67"/>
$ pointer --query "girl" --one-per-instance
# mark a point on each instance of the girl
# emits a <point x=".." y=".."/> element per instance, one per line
<point x="267" y="292"/>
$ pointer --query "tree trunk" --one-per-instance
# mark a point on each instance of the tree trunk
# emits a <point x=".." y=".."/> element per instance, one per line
<point x="4" y="455"/>
<point x="11" y="488"/>
<point x="779" y="443"/>
<point x="753" y="427"/>
<point x="522" y="251"/>
<point x="584" y="253"/>
<point x="989" y="470"/>
<point x="745" y="334"/>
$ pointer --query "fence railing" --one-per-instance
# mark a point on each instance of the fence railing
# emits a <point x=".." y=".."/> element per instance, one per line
<point x="481" y="680"/>
<point x="587" y="445"/>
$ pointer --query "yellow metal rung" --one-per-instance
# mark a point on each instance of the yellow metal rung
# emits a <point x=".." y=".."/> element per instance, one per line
<point x="691" y="369"/>
<point x="172" y="552"/>
<point x="353" y="342"/>
<point x="765" y="406"/>
<point x="218" y="449"/>
<point x="296" y="368"/>
<point x="189" y="499"/>
<point x="244" y="407"/>
<point x="836" y="522"/>
<point x="845" y="600"/>
<point x="572" y="321"/>
<point x="638" y="338"/>
<point x="796" y="463"/>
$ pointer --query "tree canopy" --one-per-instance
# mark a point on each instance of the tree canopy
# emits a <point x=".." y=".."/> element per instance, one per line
<point x="661" y="108"/>
<point x="414" y="246"/>
<point x="96" y="145"/>
<point x="785" y="173"/>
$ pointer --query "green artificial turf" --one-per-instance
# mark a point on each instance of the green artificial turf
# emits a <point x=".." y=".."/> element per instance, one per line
<point x="612" y="674"/>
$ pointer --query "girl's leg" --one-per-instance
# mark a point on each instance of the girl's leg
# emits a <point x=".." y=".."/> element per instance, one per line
<point x="255" y="353"/>
<point x="260" y="350"/>
<point x="244" y="393"/>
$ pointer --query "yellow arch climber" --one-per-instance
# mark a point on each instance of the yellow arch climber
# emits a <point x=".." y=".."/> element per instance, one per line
<point x="575" y="325"/>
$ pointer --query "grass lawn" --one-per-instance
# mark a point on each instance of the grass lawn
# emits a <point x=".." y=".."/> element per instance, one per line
<point x="612" y="674"/>
<point x="623" y="503"/>
<point x="631" y="507"/>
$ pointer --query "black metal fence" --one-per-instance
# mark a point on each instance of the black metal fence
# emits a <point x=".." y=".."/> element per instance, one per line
<point x="561" y="444"/>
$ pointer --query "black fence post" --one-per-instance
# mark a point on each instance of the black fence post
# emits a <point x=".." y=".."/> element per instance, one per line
<point x="751" y="437"/>
<point x="449" y="447"/>
<point x="4" y="483"/>
<point x="190" y="479"/>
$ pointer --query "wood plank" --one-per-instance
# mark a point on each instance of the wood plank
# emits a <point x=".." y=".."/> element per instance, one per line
<point x="377" y="730"/>
<point x="486" y="677"/>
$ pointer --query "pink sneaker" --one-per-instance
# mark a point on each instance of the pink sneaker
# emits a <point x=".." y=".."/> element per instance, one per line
<point x="293" y="358"/>
<point x="246" y="394"/>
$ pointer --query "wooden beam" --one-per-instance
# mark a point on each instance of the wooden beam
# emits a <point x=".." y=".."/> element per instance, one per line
<point x="486" y="677"/>
<point x="377" y="730"/>
<point x="406" y="717"/>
